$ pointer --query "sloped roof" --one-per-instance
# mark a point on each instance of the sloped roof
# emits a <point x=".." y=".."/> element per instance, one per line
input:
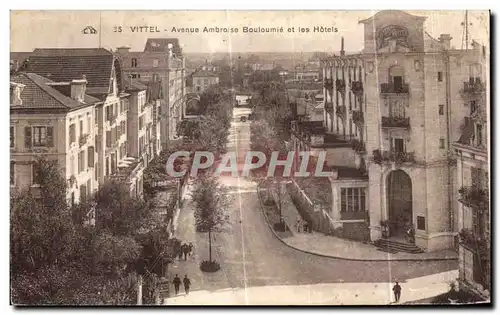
<point x="64" y="65"/>
<point x="204" y="74"/>
<point x="161" y="45"/>
<point x="38" y="94"/>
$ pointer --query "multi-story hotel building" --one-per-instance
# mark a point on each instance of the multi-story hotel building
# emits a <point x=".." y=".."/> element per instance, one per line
<point x="103" y="73"/>
<point x="161" y="61"/>
<point x="56" y="121"/>
<point x="202" y="79"/>
<point x="392" y="113"/>
<point x="472" y="179"/>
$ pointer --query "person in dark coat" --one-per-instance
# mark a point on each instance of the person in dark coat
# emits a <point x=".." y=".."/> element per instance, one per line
<point x="185" y="250"/>
<point x="177" y="284"/>
<point x="187" y="284"/>
<point x="181" y="249"/>
<point x="397" y="291"/>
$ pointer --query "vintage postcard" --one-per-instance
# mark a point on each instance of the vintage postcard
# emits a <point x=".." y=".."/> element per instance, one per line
<point x="250" y="158"/>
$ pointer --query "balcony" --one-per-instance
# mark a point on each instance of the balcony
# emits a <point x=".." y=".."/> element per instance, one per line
<point x="111" y="119"/>
<point x="472" y="87"/>
<point x="83" y="139"/>
<point x="391" y="88"/>
<point x="358" y="117"/>
<point x="385" y="156"/>
<point x="474" y="242"/>
<point x="357" y="88"/>
<point x="340" y="84"/>
<point x="358" y="146"/>
<point x="340" y="110"/>
<point x="395" y="122"/>
<point x="474" y="197"/>
<point x="328" y="84"/>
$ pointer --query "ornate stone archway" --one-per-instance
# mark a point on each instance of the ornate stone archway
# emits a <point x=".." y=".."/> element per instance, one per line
<point x="399" y="202"/>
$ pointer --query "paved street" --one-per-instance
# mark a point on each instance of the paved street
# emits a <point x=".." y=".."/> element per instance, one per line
<point x="251" y="257"/>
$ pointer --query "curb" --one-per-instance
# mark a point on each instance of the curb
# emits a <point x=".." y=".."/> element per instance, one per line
<point x="331" y="256"/>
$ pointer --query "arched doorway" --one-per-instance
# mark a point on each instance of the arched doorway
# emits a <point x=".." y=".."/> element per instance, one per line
<point x="399" y="202"/>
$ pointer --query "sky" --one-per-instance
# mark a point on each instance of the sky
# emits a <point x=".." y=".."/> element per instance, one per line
<point x="60" y="29"/>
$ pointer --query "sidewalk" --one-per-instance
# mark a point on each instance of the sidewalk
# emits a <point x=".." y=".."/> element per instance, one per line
<point x="324" y="293"/>
<point x="335" y="247"/>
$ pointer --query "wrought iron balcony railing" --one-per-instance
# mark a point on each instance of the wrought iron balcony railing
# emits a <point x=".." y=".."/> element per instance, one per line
<point x="473" y="241"/>
<point x="473" y="86"/>
<point x="395" y="122"/>
<point x="391" y="88"/>
<point x="474" y="197"/>
<point x="393" y="156"/>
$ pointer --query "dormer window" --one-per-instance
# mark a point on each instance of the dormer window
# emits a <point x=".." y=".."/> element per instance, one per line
<point x="134" y="62"/>
<point x="155" y="63"/>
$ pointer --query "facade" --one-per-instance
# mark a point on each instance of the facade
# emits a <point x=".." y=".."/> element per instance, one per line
<point x="472" y="181"/>
<point x="161" y="61"/>
<point x="203" y="79"/>
<point x="391" y="116"/>
<point x="56" y="121"/>
<point x="104" y="76"/>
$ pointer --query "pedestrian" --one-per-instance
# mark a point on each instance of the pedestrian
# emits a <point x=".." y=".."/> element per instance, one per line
<point x="397" y="291"/>
<point x="191" y="248"/>
<point x="185" y="251"/>
<point x="187" y="284"/>
<point x="177" y="284"/>
<point x="305" y="227"/>
<point x="180" y="251"/>
<point x="299" y="222"/>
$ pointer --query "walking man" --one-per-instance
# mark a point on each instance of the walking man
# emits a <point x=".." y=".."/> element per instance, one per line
<point x="177" y="284"/>
<point x="187" y="284"/>
<point x="191" y="248"/>
<point x="397" y="291"/>
<point x="299" y="222"/>
<point x="185" y="249"/>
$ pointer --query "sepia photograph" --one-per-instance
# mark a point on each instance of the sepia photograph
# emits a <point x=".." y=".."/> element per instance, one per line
<point x="249" y="158"/>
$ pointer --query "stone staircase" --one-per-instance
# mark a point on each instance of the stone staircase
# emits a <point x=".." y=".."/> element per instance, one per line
<point x="392" y="246"/>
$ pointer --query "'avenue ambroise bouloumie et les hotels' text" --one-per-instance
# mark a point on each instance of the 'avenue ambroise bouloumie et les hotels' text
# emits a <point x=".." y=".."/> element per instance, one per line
<point x="225" y="29"/>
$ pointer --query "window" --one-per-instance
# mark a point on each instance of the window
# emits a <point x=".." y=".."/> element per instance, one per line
<point x="39" y="136"/>
<point x="12" y="173"/>
<point x="473" y="106"/>
<point x="141" y="122"/>
<point x="83" y="193"/>
<point x="81" y="161"/>
<point x="134" y="62"/>
<point x="72" y="134"/>
<point x="12" y="137"/>
<point x="441" y="110"/>
<point x="440" y="76"/>
<point x="441" y="143"/>
<point x="72" y="165"/>
<point x="108" y="139"/>
<point x="81" y="128"/>
<point x="399" y="145"/>
<point x="479" y="132"/>
<point x="155" y="63"/>
<point x="35" y="174"/>
<point x="352" y="200"/>
<point x="90" y="158"/>
<point x="89" y="124"/>
<point x="107" y="167"/>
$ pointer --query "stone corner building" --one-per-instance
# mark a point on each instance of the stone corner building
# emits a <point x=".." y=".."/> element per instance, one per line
<point x="405" y="130"/>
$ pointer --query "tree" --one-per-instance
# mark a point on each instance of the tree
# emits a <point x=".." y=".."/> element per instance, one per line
<point x="118" y="213"/>
<point x="211" y="203"/>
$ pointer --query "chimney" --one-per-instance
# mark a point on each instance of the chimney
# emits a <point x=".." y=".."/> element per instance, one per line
<point x="123" y="50"/>
<point x="78" y="88"/>
<point x="342" y="51"/>
<point x="445" y="40"/>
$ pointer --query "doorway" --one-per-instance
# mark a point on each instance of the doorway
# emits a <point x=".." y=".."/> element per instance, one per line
<point x="400" y="203"/>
